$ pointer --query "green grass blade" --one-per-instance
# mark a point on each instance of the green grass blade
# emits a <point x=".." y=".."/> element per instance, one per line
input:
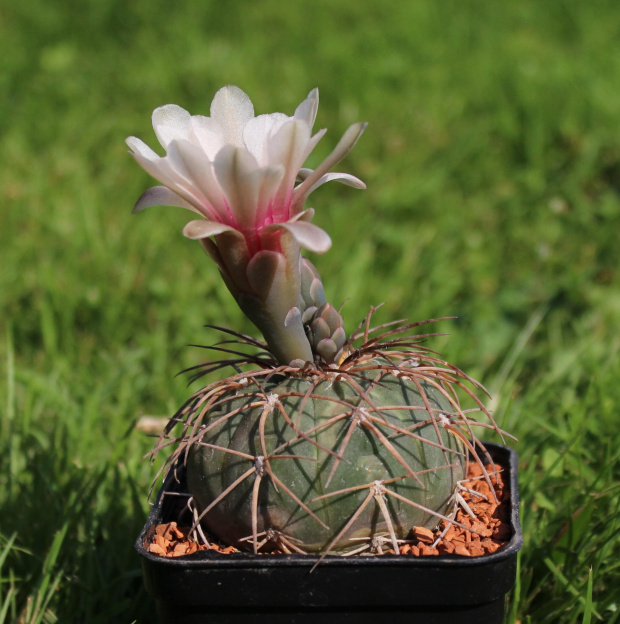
<point x="588" y="609"/>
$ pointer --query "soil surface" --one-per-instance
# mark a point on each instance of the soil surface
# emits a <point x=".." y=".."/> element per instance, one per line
<point x="482" y="531"/>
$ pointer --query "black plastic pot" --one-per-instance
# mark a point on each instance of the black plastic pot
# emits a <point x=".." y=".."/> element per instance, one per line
<point x="209" y="587"/>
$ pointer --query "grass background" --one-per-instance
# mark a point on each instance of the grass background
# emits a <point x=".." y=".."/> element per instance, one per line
<point x="492" y="161"/>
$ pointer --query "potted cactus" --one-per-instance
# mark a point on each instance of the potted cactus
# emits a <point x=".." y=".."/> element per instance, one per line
<point x="320" y="444"/>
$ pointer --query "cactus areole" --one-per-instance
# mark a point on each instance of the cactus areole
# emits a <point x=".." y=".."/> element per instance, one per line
<point x="318" y="443"/>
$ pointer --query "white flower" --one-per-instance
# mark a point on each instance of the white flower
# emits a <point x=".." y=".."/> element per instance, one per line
<point x="239" y="171"/>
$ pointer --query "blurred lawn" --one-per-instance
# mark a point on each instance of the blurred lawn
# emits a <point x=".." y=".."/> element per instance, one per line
<point x="492" y="161"/>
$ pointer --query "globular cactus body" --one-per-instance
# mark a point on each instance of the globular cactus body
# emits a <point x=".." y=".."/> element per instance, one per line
<point x="308" y="437"/>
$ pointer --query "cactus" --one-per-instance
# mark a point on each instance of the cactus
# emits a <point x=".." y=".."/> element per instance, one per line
<point x="333" y="442"/>
<point x="318" y="441"/>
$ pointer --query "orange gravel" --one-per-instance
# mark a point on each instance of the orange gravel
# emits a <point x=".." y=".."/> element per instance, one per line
<point x="482" y="534"/>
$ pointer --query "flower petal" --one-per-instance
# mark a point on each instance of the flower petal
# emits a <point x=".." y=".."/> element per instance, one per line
<point x="270" y="178"/>
<point x="200" y="171"/>
<point x="288" y="148"/>
<point x="308" y="235"/>
<point x="303" y="173"/>
<point x="306" y="215"/>
<point x="239" y="176"/>
<point x="170" y="122"/>
<point x="137" y="146"/>
<point x="308" y="108"/>
<point x="199" y="229"/>
<point x="207" y="135"/>
<point x="343" y="178"/>
<point x="258" y="131"/>
<point x="163" y="171"/>
<point x="344" y="146"/>
<point x="313" y="141"/>
<point x="161" y="196"/>
<point x="232" y="109"/>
